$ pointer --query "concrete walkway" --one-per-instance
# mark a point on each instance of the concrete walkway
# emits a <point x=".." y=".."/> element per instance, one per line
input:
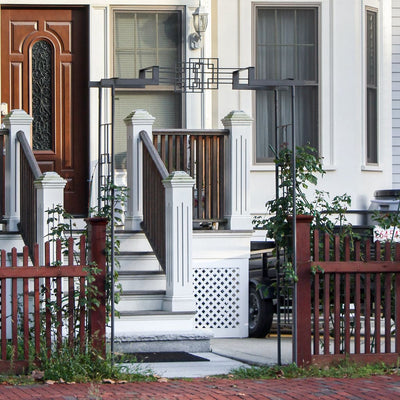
<point x="226" y="355"/>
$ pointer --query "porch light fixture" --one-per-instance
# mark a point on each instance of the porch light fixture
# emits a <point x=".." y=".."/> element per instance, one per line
<point x="200" y="22"/>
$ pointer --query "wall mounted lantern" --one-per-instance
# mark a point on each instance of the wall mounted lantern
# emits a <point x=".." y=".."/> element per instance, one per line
<point x="200" y="22"/>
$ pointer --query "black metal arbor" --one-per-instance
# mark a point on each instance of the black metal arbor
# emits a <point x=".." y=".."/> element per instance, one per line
<point x="250" y="82"/>
<point x="194" y="76"/>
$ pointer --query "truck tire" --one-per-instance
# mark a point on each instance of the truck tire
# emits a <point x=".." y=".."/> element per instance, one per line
<point x="261" y="312"/>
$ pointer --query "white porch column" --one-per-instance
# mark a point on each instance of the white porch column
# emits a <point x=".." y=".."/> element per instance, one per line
<point x="179" y="232"/>
<point x="136" y="121"/>
<point x="50" y="193"/>
<point x="237" y="170"/>
<point x="15" y="121"/>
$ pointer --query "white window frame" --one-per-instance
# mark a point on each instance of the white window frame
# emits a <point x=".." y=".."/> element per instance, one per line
<point x="152" y="9"/>
<point x="371" y="5"/>
<point x="324" y="21"/>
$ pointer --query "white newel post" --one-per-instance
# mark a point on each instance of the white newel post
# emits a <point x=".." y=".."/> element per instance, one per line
<point x="136" y="121"/>
<point x="15" y="121"/>
<point x="237" y="171"/>
<point x="49" y="193"/>
<point x="179" y="232"/>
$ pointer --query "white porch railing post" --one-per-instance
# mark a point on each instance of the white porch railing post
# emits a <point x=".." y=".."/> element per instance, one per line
<point x="178" y="234"/>
<point x="49" y="194"/>
<point x="237" y="171"/>
<point x="15" y="121"/>
<point x="137" y="121"/>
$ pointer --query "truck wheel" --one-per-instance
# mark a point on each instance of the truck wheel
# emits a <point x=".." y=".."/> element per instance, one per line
<point x="260" y="314"/>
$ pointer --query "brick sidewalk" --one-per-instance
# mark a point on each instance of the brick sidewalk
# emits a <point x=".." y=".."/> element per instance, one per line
<point x="216" y="389"/>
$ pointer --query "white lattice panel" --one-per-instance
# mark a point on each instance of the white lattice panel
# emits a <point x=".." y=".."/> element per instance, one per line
<point x="220" y="300"/>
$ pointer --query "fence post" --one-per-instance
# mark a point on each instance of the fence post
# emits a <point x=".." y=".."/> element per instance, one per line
<point x="237" y="170"/>
<point x="136" y="121"/>
<point x="178" y="233"/>
<point x="15" y="121"/>
<point x="302" y="346"/>
<point x="97" y="255"/>
<point x="50" y="193"/>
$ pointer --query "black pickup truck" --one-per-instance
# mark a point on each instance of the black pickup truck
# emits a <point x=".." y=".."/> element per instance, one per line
<point x="262" y="288"/>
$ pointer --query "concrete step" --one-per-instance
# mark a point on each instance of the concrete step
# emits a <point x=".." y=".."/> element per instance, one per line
<point x="193" y="341"/>
<point x="135" y="322"/>
<point x="141" y="280"/>
<point x="140" y="300"/>
<point x="132" y="241"/>
<point x="138" y="261"/>
<point x="8" y="240"/>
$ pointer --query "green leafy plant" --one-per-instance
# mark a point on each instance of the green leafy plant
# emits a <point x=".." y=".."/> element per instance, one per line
<point x="112" y="200"/>
<point x="72" y="365"/>
<point x="328" y="213"/>
<point x="61" y="227"/>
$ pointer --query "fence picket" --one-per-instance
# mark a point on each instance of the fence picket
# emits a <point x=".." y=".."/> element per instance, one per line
<point x="14" y="321"/>
<point x="82" y="313"/>
<point x="59" y="296"/>
<point x="357" y="301"/>
<point x="25" y="316"/>
<point x="71" y="296"/>
<point x="397" y="300"/>
<point x="3" y="309"/>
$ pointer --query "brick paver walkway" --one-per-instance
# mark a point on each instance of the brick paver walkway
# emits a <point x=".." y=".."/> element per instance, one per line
<point x="387" y="387"/>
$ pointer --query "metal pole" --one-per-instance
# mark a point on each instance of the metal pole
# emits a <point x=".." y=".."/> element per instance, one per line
<point x="99" y="164"/>
<point x="278" y="280"/>
<point x="294" y="313"/>
<point x="112" y="221"/>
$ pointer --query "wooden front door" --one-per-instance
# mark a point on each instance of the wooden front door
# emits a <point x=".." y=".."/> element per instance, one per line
<point x="44" y="71"/>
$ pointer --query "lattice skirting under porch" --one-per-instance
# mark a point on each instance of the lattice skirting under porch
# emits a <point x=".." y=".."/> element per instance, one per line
<point x="221" y="293"/>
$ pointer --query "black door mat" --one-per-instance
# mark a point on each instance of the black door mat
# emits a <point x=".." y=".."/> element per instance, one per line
<point x="156" y="357"/>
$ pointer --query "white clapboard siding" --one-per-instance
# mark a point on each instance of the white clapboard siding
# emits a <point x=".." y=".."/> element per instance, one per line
<point x="396" y="91"/>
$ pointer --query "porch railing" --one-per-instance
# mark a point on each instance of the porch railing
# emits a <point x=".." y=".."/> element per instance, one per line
<point x="29" y="172"/>
<point x="154" y="172"/>
<point x="201" y="154"/>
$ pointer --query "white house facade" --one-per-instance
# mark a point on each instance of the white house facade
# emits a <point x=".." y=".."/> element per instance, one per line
<point x="341" y="48"/>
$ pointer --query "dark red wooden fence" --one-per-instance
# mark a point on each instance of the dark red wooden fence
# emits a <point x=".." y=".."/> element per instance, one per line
<point x="33" y="322"/>
<point x="348" y="299"/>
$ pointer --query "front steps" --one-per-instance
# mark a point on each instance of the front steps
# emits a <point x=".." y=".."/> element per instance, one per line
<point x="143" y="324"/>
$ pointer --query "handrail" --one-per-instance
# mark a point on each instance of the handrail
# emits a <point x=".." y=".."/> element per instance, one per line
<point x="154" y="172"/>
<point x="29" y="172"/>
<point x="153" y="154"/>
<point x="30" y="158"/>
<point x="195" y="132"/>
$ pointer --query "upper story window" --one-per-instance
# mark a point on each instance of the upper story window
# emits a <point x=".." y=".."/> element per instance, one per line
<point x="286" y="48"/>
<point x="372" y="87"/>
<point x="143" y="39"/>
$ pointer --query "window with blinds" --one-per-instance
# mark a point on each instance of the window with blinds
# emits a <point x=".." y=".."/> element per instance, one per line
<point x="286" y="48"/>
<point x="143" y="39"/>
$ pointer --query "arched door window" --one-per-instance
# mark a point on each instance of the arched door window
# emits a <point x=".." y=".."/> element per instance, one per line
<point x="42" y="95"/>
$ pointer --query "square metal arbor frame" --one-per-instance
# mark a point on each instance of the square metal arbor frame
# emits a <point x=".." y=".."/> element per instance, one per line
<point x="195" y="76"/>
